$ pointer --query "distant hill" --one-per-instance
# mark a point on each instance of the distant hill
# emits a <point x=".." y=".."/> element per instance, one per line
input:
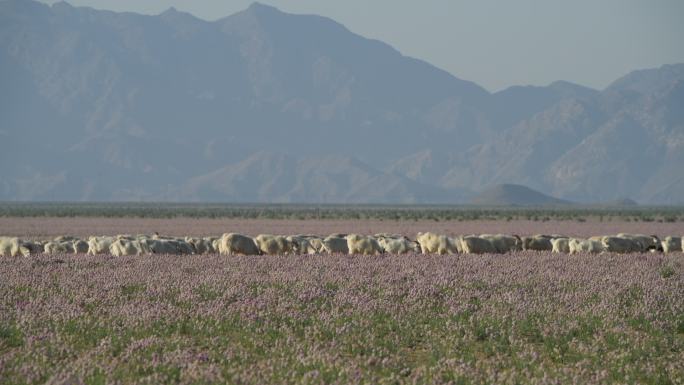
<point x="514" y="195"/>
<point x="266" y="106"/>
<point x="622" y="202"/>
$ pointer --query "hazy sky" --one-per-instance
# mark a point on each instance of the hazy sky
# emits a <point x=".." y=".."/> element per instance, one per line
<point x="494" y="43"/>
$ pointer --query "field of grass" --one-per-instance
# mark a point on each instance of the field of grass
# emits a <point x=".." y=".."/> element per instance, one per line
<point x="521" y="318"/>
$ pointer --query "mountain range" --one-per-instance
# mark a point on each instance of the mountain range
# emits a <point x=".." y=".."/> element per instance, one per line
<point x="515" y="195"/>
<point x="265" y="106"/>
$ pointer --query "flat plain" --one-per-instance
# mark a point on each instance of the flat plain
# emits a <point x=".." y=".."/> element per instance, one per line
<point x="469" y="319"/>
<point x="49" y="227"/>
<point x="522" y="317"/>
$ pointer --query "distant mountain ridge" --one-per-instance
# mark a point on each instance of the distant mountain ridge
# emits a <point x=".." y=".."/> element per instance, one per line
<point x="272" y="177"/>
<point x="265" y="106"/>
<point x="515" y="195"/>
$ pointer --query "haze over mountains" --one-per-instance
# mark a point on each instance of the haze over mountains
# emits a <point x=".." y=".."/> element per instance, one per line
<point x="264" y="106"/>
<point x="514" y="195"/>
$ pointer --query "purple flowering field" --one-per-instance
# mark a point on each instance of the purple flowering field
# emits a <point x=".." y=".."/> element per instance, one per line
<point x="461" y="319"/>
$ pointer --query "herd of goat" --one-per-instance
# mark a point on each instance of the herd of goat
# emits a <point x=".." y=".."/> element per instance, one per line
<point x="425" y="243"/>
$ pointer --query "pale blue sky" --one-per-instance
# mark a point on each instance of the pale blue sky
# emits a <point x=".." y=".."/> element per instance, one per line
<point x="494" y="43"/>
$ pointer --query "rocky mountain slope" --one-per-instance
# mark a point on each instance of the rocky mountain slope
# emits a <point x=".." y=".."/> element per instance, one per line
<point x="265" y="106"/>
<point x="514" y="195"/>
